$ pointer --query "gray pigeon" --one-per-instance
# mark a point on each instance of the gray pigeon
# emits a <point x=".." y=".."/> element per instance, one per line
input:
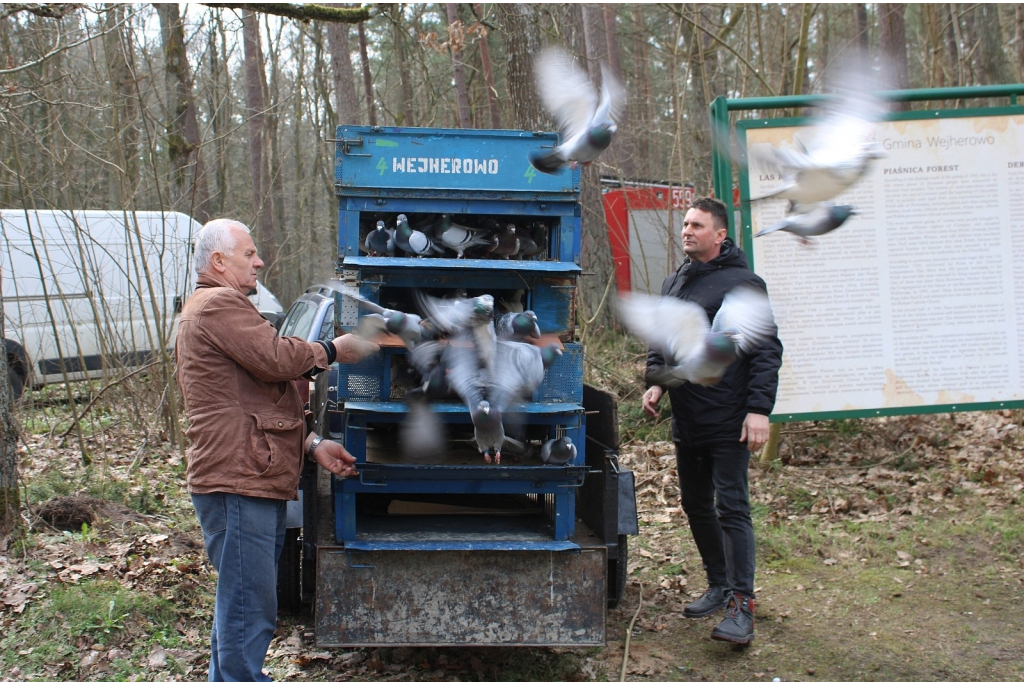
<point x="516" y="326"/>
<point x="693" y="350"/>
<point x="380" y="242"/>
<point x="411" y="241"/>
<point x="839" y="148"/>
<point x="472" y="314"/>
<point x="408" y="327"/>
<point x="508" y="242"/>
<point x="558" y="451"/>
<point x="459" y="238"/>
<point x="818" y="221"/>
<point x="587" y="123"/>
<point x="422" y="435"/>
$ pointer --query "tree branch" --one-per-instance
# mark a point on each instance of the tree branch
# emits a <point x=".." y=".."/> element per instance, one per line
<point x="303" y="13"/>
<point x="57" y="10"/>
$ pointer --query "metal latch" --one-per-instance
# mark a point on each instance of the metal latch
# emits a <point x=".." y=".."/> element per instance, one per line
<point x="346" y="143"/>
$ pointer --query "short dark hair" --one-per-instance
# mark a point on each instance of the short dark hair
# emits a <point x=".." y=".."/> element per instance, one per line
<point x="714" y="207"/>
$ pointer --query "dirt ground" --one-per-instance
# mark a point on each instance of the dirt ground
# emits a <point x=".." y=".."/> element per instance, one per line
<point x="889" y="549"/>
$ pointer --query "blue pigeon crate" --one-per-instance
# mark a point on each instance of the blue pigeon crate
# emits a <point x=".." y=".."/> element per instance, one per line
<point x="473" y="175"/>
<point x="371" y="379"/>
<point x="471" y="164"/>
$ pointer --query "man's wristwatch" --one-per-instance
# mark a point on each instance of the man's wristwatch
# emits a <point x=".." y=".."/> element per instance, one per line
<point x="313" y="445"/>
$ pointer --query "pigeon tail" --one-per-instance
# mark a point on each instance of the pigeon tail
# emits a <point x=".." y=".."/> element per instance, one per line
<point x="546" y="161"/>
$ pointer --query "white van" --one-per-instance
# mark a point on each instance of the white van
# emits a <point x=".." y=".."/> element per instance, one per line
<point x="87" y="291"/>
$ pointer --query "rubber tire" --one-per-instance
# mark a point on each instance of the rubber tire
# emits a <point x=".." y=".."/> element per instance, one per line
<point x="289" y="573"/>
<point x="617" y="570"/>
<point x="16" y="381"/>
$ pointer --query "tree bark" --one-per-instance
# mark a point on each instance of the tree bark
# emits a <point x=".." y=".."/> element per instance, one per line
<point x="118" y="49"/>
<point x="1018" y="10"/>
<point x="345" y="95"/>
<point x="892" y="39"/>
<point x="455" y="45"/>
<point x="255" y="112"/>
<point x="863" y="37"/>
<point x="190" y="191"/>
<point x="522" y="42"/>
<point x="488" y="72"/>
<point x="364" y="59"/>
<point x="10" y="503"/>
<point x="404" y="112"/>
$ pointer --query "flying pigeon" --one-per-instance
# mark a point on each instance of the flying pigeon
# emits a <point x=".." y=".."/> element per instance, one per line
<point x="380" y="242"/>
<point x="516" y="326"/>
<point x="411" y="241"/>
<point x="558" y="451"/>
<point x="587" y="124"/>
<point x="422" y="435"/>
<point x="693" y="350"/>
<point x="818" y="221"/>
<point x="460" y="238"/>
<point x="409" y="327"/>
<point x="835" y="153"/>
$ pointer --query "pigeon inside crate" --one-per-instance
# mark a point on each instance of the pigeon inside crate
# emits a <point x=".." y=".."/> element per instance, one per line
<point x="388" y="443"/>
<point x="495" y="240"/>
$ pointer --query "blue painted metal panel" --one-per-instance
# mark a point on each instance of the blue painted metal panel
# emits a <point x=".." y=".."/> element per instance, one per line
<point x="399" y="266"/>
<point x="420" y="161"/>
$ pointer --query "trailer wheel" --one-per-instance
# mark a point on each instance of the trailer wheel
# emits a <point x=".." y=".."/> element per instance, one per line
<point x="289" y="595"/>
<point x="617" y="569"/>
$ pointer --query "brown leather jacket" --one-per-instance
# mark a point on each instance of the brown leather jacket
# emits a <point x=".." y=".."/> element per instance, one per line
<point x="245" y="416"/>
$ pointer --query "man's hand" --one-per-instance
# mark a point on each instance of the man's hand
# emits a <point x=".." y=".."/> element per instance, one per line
<point x="335" y="458"/>
<point x="352" y="348"/>
<point x="755" y="431"/>
<point x="651" y="399"/>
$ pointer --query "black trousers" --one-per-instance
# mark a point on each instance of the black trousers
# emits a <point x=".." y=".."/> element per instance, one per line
<point x="716" y="498"/>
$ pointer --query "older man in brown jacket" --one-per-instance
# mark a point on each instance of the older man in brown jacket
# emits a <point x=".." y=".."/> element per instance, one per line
<point x="248" y="439"/>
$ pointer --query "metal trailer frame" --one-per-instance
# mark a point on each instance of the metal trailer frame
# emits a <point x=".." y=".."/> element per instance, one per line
<point x="540" y="578"/>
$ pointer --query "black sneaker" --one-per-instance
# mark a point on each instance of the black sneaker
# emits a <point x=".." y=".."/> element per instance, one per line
<point x="738" y="625"/>
<point x="714" y="599"/>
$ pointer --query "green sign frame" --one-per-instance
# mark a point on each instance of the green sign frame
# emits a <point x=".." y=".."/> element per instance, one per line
<point x="722" y="169"/>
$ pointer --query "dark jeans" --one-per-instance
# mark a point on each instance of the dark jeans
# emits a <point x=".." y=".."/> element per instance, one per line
<point x="244" y="537"/>
<point x="716" y="499"/>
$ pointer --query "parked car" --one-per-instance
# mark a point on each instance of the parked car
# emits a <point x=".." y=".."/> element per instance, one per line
<point x="310" y="317"/>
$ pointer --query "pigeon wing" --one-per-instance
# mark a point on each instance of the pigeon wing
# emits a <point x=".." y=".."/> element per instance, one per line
<point x="746" y="314"/>
<point x="613" y="96"/>
<point x="674" y="327"/>
<point x="566" y="91"/>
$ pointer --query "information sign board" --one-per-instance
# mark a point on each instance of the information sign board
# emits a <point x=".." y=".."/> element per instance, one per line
<point x="917" y="303"/>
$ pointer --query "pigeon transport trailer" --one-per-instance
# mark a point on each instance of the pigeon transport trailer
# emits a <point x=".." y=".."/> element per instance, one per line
<point x="450" y="550"/>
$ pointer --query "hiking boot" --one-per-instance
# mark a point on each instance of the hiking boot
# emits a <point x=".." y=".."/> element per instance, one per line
<point x="738" y="624"/>
<point x="713" y="599"/>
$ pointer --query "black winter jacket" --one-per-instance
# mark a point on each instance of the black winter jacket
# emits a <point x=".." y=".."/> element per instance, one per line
<point x="715" y="414"/>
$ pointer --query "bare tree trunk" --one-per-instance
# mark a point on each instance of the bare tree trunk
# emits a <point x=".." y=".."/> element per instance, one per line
<point x="892" y="39"/>
<point x="345" y="94"/>
<point x="641" y="112"/>
<point x="623" y="153"/>
<point x="863" y="37"/>
<point x="488" y="73"/>
<point x="455" y="45"/>
<point x="364" y="60"/>
<point x="597" y="284"/>
<point x="1018" y="10"/>
<point x="255" y="112"/>
<point x="954" y="42"/>
<point x="404" y="111"/>
<point x="190" y="191"/>
<point x="522" y="42"/>
<point x="219" y="103"/>
<point x="10" y="502"/>
<point x="800" y="75"/>
<point x="117" y="49"/>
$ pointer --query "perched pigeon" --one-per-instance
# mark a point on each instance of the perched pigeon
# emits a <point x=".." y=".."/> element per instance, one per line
<point x="380" y="242"/>
<point x="460" y="238"/>
<point x="508" y="242"/>
<point x="536" y="244"/>
<point x="818" y="221"/>
<point x="516" y="326"/>
<point x="558" y="451"/>
<point x="411" y="241"/>
<point x="693" y="350"/>
<point x="587" y="124"/>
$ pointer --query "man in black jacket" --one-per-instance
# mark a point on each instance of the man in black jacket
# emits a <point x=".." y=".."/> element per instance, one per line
<point x="715" y="428"/>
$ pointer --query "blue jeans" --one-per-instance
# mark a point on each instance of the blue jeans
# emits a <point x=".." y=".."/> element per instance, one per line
<point x="244" y="537"/>
<point x="716" y="499"/>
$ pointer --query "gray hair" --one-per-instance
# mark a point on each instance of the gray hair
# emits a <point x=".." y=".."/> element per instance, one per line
<point x="215" y="236"/>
